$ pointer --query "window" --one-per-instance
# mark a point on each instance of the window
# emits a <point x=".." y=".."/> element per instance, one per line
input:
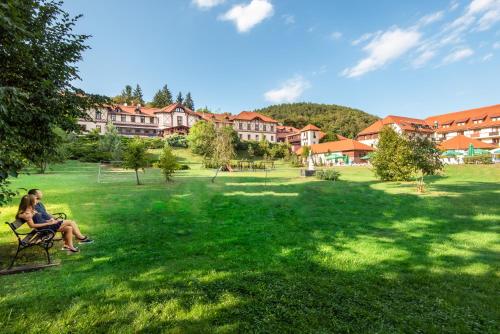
<point x="143" y="119"/>
<point x="264" y="127"/>
<point x="241" y="136"/>
<point x="257" y="128"/>
<point x="256" y="137"/>
<point x="98" y="115"/>
<point x="179" y="120"/>
<point x="248" y="137"/>
<point x="123" y="118"/>
<point x="137" y="130"/>
<point x="272" y="138"/>
<point x="314" y="134"/>
<point x="248" y="126"/>
<point x="240" y="125"/>
<point x="132" y="119"/>
<point x="272" y="128"/>
<point x="152" y="120"/>
<point x="113" y="117"/>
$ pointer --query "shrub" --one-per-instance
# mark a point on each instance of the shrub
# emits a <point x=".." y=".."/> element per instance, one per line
<point x="184" y="167"/>
<point x="482" y="159"/>
<point x="177" y="140"/>
<point x="328" y="174"/>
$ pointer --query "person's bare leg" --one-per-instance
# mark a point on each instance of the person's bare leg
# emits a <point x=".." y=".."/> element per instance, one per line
<point x="64" y="230"/>
<point x="68" y="237"/>
<point x="74" y="226"/>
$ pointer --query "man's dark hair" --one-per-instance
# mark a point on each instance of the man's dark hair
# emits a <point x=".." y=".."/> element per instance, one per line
<point x="33" y="191"/>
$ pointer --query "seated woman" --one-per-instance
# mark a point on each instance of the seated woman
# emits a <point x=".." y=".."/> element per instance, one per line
<point x="34" y="220"/>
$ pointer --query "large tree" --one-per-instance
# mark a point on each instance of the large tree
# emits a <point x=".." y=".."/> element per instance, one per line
<point x="135" y="157"/>
<point x="179" y="99"/>
<point x="137" y="97"/>
<point x="224" y="147"/>
<point x="168" y="162"/>
<point x="425" y="158"/>
<point x="38" y="56"/>
<point x="201" y="138"/>
<point x="393" y="159"/>
<point x="188" y="101"/>
<point x="162" y="98"/>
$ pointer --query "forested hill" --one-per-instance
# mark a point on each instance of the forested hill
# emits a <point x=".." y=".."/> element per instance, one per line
<point x="330" y="118"/>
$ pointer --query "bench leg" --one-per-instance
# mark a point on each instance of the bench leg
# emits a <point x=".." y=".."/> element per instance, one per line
<point x="15" y="257"/>
<point x="48" y="255"/>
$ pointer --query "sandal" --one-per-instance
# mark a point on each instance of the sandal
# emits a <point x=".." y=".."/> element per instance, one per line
<point x="67" y="248"/>
<point x="85" y="240"/>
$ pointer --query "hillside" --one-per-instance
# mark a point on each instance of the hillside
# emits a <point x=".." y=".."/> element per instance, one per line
<point x="329" y="117"/>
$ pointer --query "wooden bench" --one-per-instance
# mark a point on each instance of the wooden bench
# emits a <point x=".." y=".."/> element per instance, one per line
<point x="43" y="238"/>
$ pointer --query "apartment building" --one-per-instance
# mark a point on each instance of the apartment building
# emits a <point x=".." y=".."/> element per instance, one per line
<point x="254" y="126"/>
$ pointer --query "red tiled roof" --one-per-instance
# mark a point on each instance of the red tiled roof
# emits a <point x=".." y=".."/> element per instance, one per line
<point x="462" y="142"/>
<point x="132" y="110"/>
<point x="310" y="127"/>
<point x="406" y="123"/>
<point x="173" y="106"/>
<point x="215" y="117"/>
<point x="286" y="128"/>
<point x="485" y="113"/>
<point x="344" y="145"/>
<point x="250" y="115"/>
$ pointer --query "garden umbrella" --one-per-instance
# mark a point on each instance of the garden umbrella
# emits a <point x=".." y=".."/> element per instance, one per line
<point x="450" y="153"/>
<point x="367" y="157"/>
<point x="334" y="156"/>
<point x="470" y="153"/>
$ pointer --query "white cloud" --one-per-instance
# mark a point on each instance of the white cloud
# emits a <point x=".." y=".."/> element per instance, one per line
<point x="488" y="57"/>
<point x="489" y="19"/>
<point x="364" y="38"/>
<point x="289" y="19"/>
<point x="423" y="58"/>
<point x="207" y="4"/>
<point x="336" y="35"/>
<point x="384" y="48"/>
<point x="458" y="55"/>
<point x="496" y="45"/>
<point x="431" y="18"/>
<point x="245" y="17"/>
<point x="290" y="91"/>
<point x="478" y="6"/>
<point x="454" y="5"/>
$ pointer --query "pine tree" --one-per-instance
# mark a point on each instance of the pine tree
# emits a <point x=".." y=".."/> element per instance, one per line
<point x="137" y="95"/>
<point x="179" y="98"/>
<point x="127" y="96"/>
<point x="158" y="100"/>
<point x="188" y="101"/>
<point x="168" y="95"/>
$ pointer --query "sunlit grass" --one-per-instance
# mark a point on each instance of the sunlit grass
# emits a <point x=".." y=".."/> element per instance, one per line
<point x="248" y="253"/>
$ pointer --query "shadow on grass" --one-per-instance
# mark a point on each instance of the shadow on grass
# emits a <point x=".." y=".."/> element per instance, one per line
<point x="241" y="256"/>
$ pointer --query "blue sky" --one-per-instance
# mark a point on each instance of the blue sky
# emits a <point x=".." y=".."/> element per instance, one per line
<point x="413" y="58"/>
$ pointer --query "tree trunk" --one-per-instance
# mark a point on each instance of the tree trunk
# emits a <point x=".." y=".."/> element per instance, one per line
<point x="137" y="177"/>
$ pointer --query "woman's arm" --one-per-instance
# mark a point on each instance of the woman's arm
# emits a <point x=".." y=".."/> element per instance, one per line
<point x="29" y="221"/>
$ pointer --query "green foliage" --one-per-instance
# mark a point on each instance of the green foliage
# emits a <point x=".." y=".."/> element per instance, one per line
<point x="329" y="117"/>
<point x="177" y="140"/>
<point x="483" y="159"/>
<point x="135" y="156"/>
<point x="250" y="151"/>
<point x="305" y="151"/>
<point x="425" y="158"/>
<point x="201" y="138"/>
<point x="330" y="136"/>
<point x="393" y="160"/>
<point x="328" y="174"/>
<point x="179" y="98"/>
<point x="126" y="96"/>
<point x="52" y="155"/>
<point x="224" y="146"/>
<point x="38" y="56"/>
<point x="168" y="162"/>
<point x="162" y="98"/>
<point x="110" y="144"/>
<point x="137" y="97"/>
<point x="188" y="101"/>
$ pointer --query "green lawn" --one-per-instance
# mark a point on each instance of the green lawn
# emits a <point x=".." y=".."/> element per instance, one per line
<point x="246" y="254"/>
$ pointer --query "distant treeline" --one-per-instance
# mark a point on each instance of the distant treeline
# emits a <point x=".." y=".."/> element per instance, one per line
<point x="330" y="118"/>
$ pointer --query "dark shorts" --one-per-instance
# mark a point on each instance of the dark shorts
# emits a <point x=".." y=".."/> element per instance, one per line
<point x="53" y="227"/>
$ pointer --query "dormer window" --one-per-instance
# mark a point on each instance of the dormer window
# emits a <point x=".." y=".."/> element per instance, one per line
<point x="138" y="110"/>
<point x="98" y="115"/>
<point x="179" y="109"/>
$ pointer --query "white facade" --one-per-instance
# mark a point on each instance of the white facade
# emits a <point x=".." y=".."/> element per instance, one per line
<point x="255" y="129"/>
<point x="309" y="137"/>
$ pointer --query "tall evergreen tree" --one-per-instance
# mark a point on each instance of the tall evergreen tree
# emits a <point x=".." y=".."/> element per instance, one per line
<point x="168" y="95"/>
<point x="127" y="95"/>
<point x="179" y="98"/>
<point x="188" y="101"/>
<point x="162" y="98"/>
<point x="137" y="95"/>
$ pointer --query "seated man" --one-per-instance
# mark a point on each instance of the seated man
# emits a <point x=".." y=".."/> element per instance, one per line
<point x="44" y="216"/>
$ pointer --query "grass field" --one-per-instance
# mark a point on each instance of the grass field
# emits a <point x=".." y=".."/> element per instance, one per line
<point x="250" y="254"/>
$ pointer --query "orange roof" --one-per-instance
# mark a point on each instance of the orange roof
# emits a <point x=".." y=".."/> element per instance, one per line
<point x="215" y="117"/>
<point x="286" y="128"/>
<point x="310" y="127"/>
<point x="406" y="123"/>
<point x="173" y="106"/>
<point x="462" y="142"/>
<point x="132" y="110"/>
<point x="251" y="115"/>
<point x="468" y="117"/>
<point x="338" y="146"/>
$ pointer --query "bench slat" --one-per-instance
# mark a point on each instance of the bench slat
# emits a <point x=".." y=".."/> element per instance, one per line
<point x="17" y="223"/>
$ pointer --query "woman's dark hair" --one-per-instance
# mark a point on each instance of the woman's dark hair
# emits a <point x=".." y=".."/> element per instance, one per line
<point x="26" y="202"/>
<point x="33" y="191"/>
